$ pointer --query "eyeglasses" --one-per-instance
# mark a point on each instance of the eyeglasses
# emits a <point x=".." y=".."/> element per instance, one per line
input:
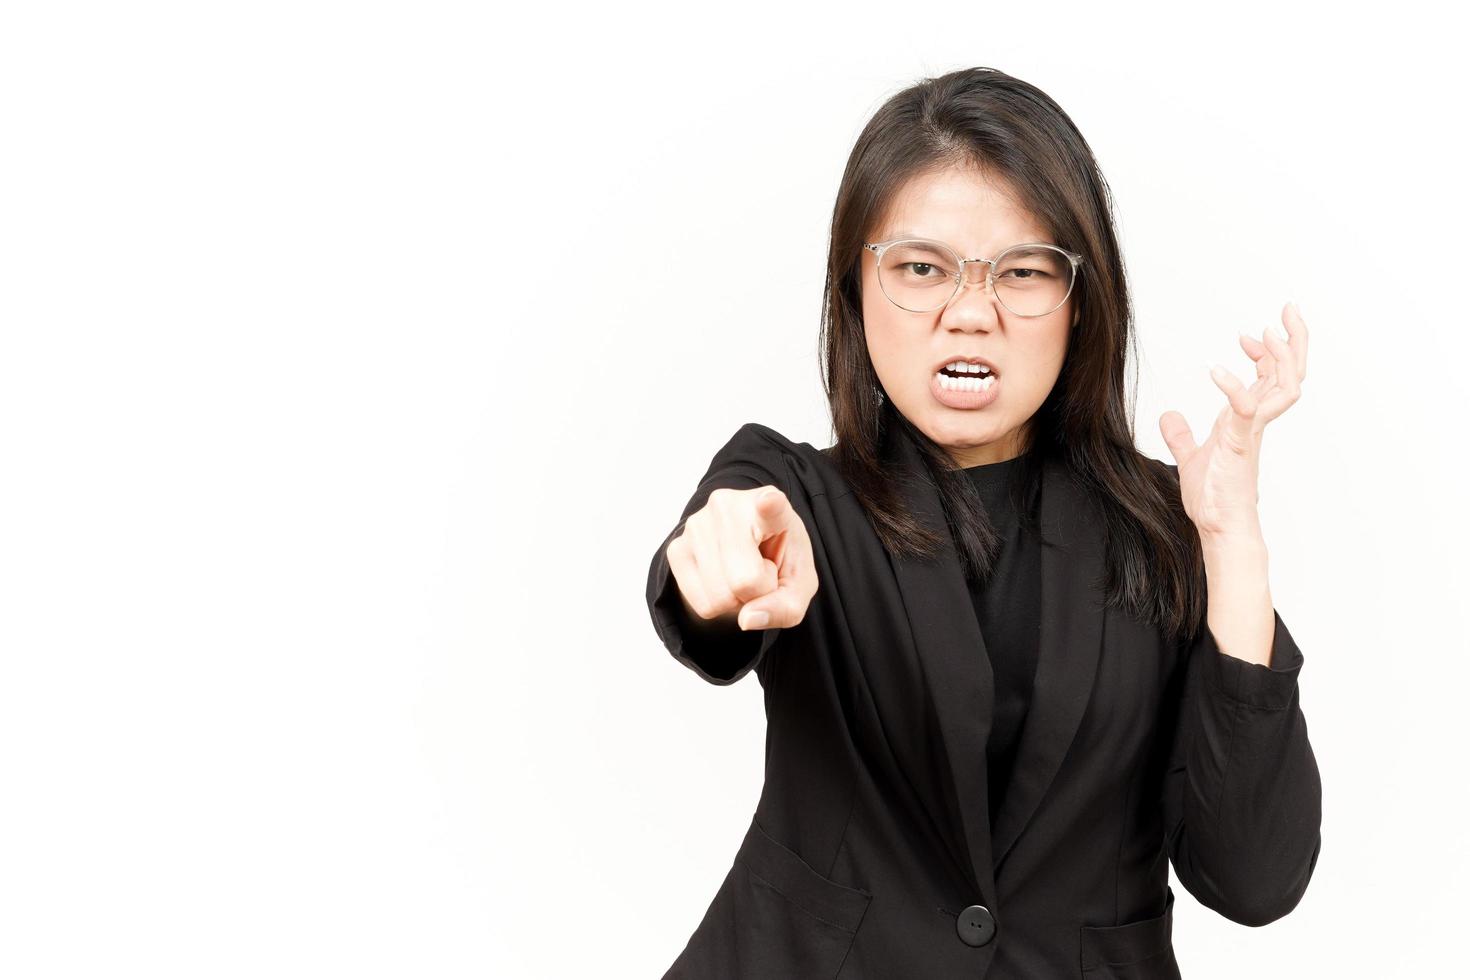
<point x="920" y="275"/>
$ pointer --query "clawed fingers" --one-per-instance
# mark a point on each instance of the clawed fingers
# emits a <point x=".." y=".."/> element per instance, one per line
<point x="1297" y="329"/>
<point x="1257" y="352"/>
<point x="1242" y="399"/>
<point x="1296" y="339"/>
<point x="1280" y="360"/>
<point x="1240" y="417"/>
<point x="1288" y="377"/>
<point x="1276" y="349"/>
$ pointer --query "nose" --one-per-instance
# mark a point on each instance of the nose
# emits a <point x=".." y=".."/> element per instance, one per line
<point x="976" y="271"/>
<point x="974" y="304"/>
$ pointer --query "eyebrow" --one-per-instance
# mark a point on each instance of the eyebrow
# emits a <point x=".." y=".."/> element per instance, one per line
<point x="905" y="233"/>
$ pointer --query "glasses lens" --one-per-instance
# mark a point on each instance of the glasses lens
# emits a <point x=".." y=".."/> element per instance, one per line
<point x="918" y="276"/>
<point x="1033" y="280"/>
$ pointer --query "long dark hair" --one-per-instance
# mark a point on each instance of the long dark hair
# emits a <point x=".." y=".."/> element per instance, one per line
<point x="991" y="121"/>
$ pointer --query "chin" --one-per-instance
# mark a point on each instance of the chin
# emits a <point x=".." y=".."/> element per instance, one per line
<point x="951" y="427"/>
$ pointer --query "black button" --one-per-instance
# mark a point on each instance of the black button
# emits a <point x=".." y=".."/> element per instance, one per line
<point x="976" y="925"/>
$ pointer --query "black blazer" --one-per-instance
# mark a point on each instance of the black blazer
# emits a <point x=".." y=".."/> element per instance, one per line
<point x="870" y="852"/>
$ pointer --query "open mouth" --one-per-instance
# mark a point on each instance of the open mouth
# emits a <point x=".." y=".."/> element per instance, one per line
<point x="962" y="376"/>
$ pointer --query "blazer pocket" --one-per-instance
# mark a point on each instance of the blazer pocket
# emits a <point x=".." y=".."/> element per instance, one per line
<point x="784" y="871"/>
<point x="1139" y="950"/>
<point x="774" y="918"/>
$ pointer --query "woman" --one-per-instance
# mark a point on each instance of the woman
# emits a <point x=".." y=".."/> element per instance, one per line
<point x="1012" y="666"/>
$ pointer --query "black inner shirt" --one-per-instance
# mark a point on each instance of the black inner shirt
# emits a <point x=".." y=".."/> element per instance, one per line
<point x="1008" y="609"/>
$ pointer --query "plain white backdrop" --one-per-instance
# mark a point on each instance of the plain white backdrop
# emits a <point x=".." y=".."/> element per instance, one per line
<point x="356" y="358"/>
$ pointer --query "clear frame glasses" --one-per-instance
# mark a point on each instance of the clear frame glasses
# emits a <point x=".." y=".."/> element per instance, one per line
<point x="921" y="275"/>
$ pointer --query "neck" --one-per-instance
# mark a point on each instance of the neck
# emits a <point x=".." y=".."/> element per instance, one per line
<point x="991" y="452"/>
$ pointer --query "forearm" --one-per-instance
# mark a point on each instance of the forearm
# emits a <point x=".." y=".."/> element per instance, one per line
<point x="1243" y="799"/>
<point x="1240" y="615"/>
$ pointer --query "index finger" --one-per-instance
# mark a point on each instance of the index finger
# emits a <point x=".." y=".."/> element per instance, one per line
<point x="1296" y="334"/>
<point x="773" y="513"/>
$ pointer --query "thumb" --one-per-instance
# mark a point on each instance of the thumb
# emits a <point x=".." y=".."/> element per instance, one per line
<point x="779" y="609"/>
<point x="1177" y="436"/>
<point x="786" y="604"/>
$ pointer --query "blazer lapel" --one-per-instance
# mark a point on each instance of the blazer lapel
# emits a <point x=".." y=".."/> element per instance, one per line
<point x="1070" y="647"/>
<point x="958" y="676"/>
<point x="951" y="654"/>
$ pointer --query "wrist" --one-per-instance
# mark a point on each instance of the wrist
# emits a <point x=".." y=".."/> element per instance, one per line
<point x="1235" y="559"/>
<point x="1243" y="536"/>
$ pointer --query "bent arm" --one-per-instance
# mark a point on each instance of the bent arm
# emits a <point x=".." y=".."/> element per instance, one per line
<point x="1242" y="793"/>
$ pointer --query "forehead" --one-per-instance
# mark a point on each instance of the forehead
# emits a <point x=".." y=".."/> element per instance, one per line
<point x="977" y="213"/>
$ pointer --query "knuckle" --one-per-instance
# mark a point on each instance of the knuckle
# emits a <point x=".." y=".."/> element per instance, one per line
<point x="722" y="601"/>
<point x="711" y="605"/>
<point x="721" y="496"/>
<point x="777" y="492"/>
<point x="746" y="583"/>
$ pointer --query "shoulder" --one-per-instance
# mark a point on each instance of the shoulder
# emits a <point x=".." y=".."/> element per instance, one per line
<point x="1170" y="470"/>
<point x="794" y="466"/>
<point x="1128" y="462"/>
<point x="1148" y="475"/>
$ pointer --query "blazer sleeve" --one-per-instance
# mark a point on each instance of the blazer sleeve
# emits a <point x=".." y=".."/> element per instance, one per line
<point x="748" y="460"/>
<point x="1242" y="793"/>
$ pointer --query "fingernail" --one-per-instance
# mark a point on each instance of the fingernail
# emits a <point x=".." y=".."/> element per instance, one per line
<point x="1297" y="310"/>
<point x="757" y="620"/>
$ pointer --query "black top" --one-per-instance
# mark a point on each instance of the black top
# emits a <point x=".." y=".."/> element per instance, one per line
<point x="874" y="765"/>
<point x="1008" y="608"/>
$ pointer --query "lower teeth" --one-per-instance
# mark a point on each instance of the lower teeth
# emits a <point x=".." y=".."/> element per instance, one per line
<point x="966" y="384"/>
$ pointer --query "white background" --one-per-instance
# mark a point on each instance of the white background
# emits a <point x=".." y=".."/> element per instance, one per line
<point x="356" y="358"/>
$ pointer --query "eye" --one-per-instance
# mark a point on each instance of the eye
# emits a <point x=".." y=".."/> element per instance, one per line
<point x="920" y="269"/>
<point x="1032" y="266"/>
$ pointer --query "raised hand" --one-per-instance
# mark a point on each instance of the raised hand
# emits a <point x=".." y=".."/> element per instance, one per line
<point x="1218" y="478"/>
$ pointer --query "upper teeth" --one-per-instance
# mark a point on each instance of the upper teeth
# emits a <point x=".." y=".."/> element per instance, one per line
<point x="968" y="368"/>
